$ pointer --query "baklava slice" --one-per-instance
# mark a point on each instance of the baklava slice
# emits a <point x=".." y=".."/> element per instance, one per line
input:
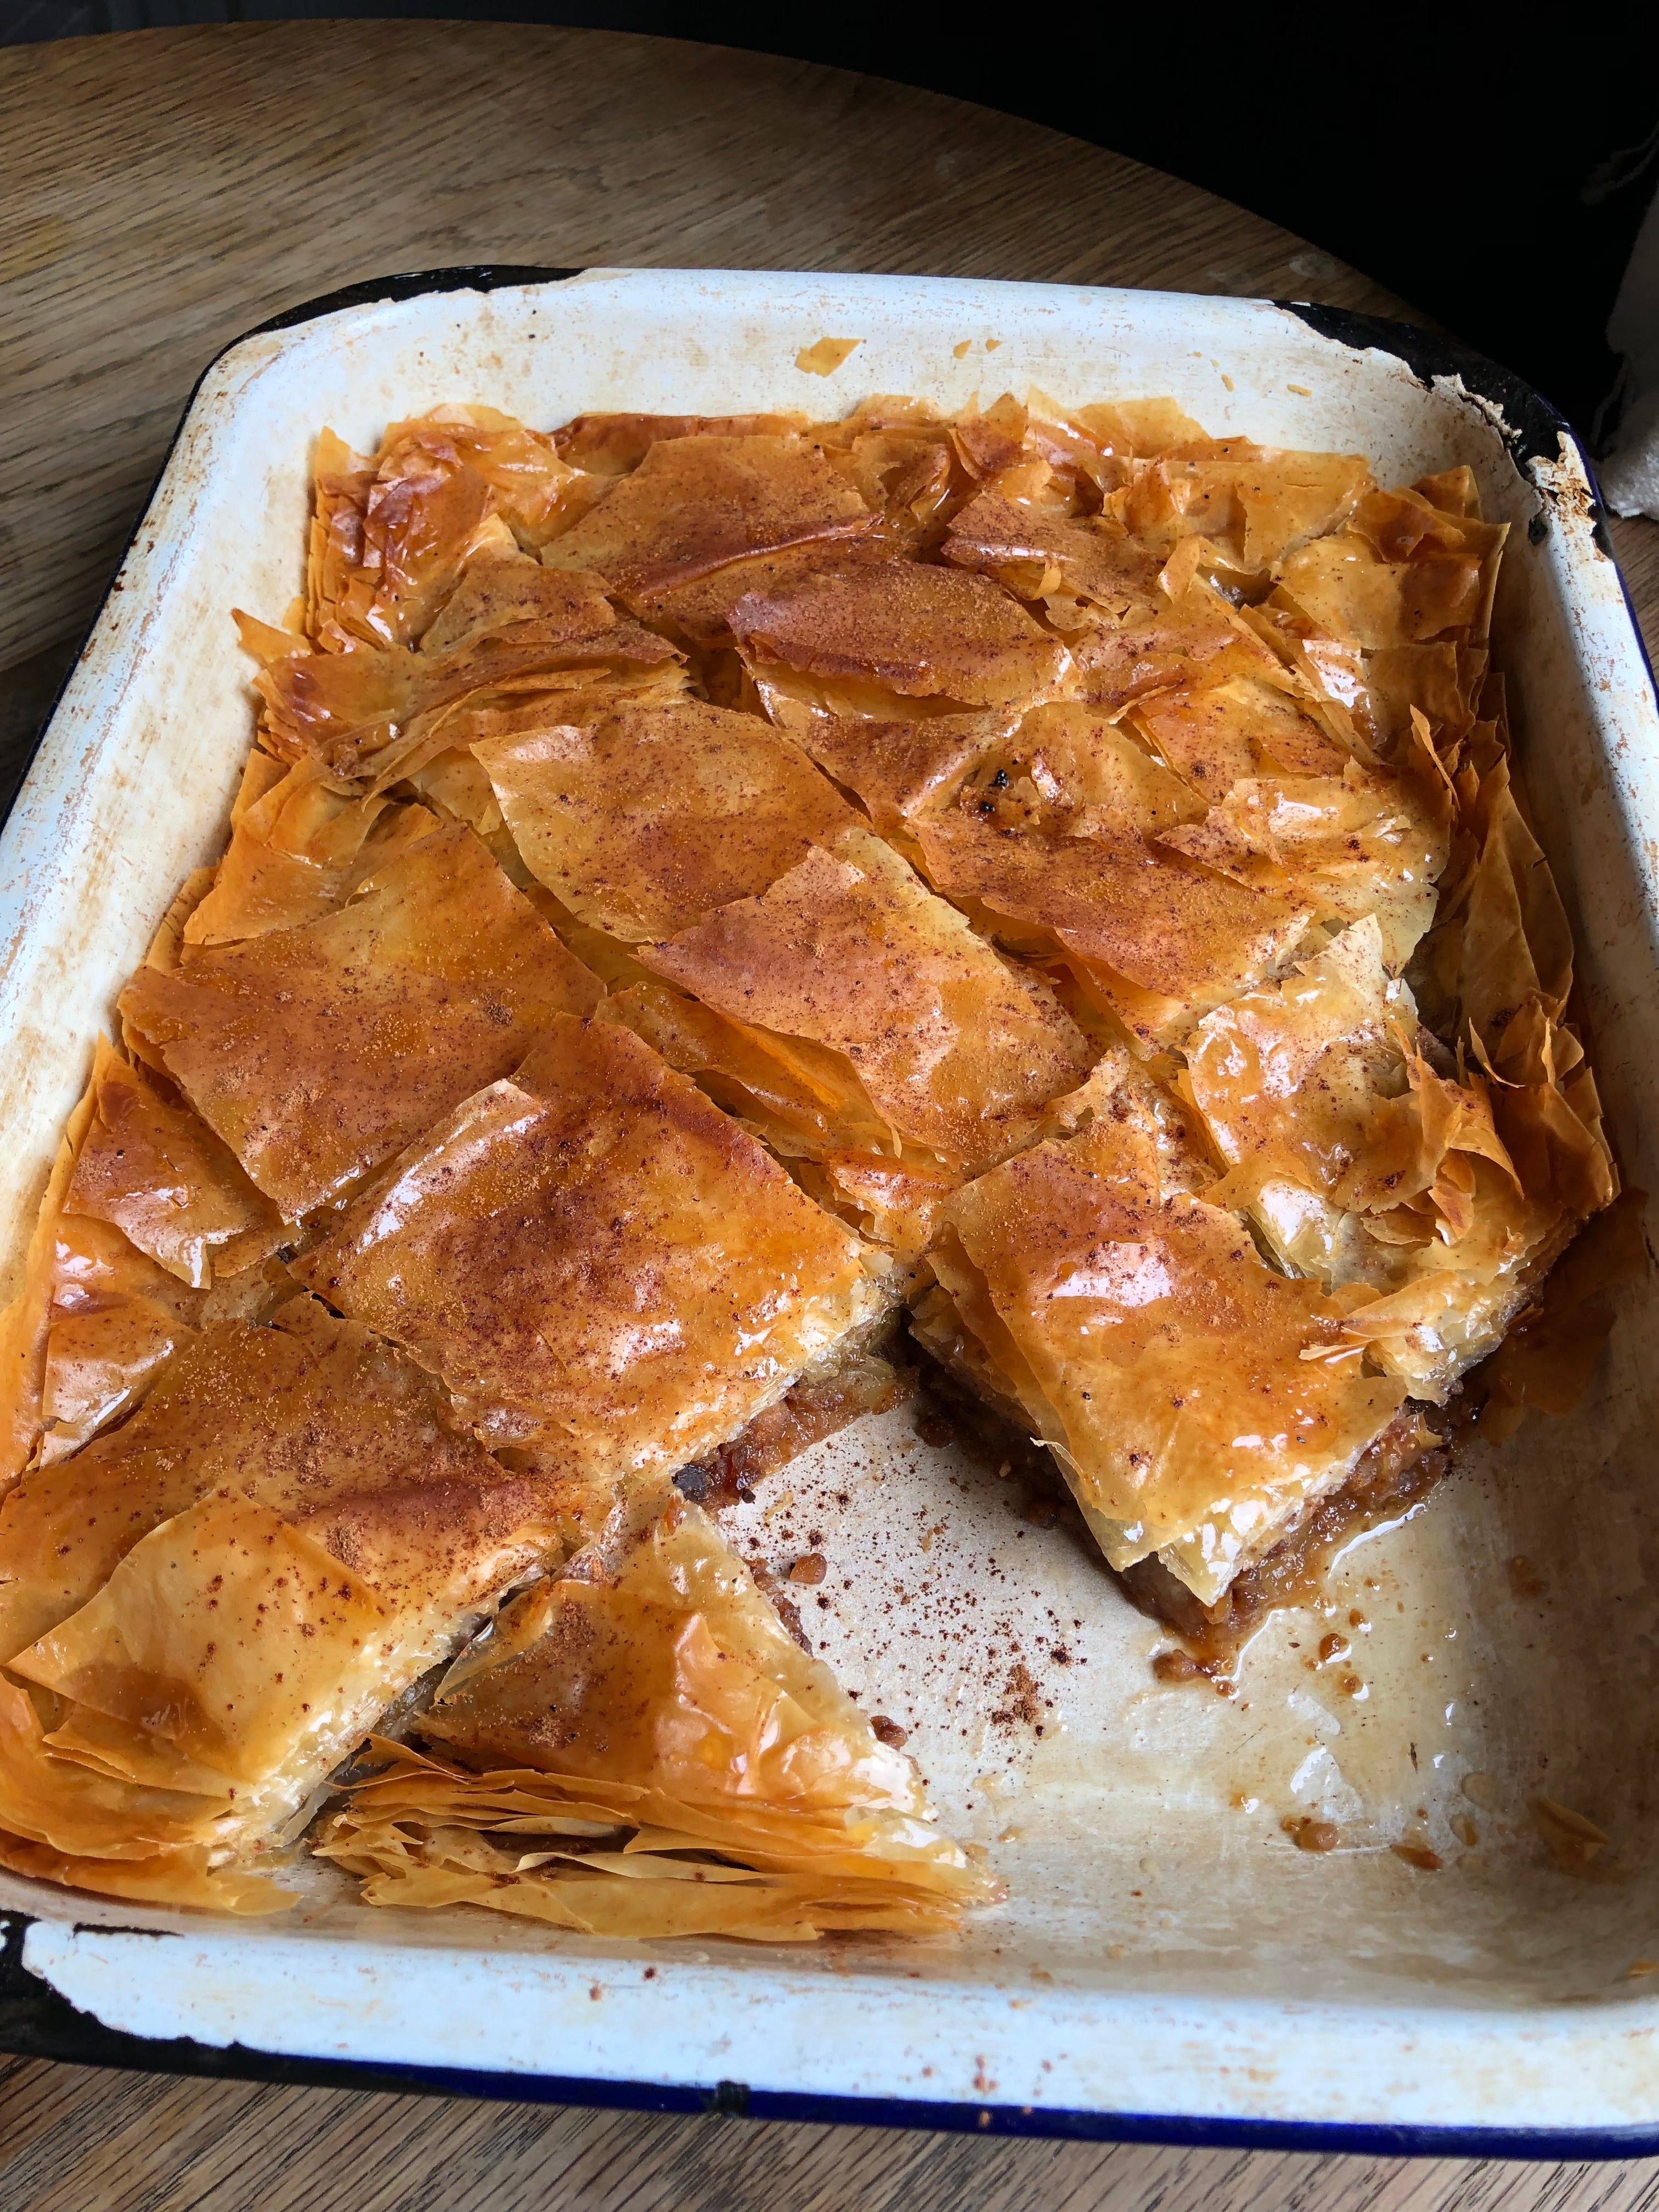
<point x="651" y="819"/>
<point x="1196" y="1399"/>
<point x="205" y="1610"/>
<point x="390" y="535"/>
<point x="609" y="1275"/>
<point x="148" y="1230"/>
<point x="1365" y="1155"/>
<point x="1130" y="852"/>
<point x="893" y="641"/>
<point x="316" y="1052"/>
<point x="638" y="1748"/>
<point x="514" y="643"/>
<point x="803" y="974"/>
<point x="922" y="1042"/>
<point x="694" y="505"/>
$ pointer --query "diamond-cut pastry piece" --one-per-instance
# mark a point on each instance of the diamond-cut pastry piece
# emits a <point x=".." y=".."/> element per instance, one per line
<point x="1365" y="842"/>
<point x="339" y="1432"/>
<point x="956" y="1051"/>
<point x="603" y="1267"/>
<point x="1155" y="940"/>
<point x="612" y="444"/>
<point x="1194" y="640"/>
<point x="1392" y="613"/>
<point x="299" y="847"/>
<point x="641" y="1750"/>
<point x="225" y="1593"/>
<point x="148" y="1229"/>
<point x="524" y="643"/>
<point x="648" y="820"/>
<point x="1195" y="1399"/>
<point x="1256" y="503"/>
<point x="1215" y="738"/>
<point x="865" y="641"/>
<point x="316" y="1053"/>
<point x="694" y="504"/>
<point x="1093" y="563"/>
<point x="390" y="536"/>
<point x="903" y="768"/>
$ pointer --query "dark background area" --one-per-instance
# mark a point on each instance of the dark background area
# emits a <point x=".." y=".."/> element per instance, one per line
<point x="1491" y="173"/>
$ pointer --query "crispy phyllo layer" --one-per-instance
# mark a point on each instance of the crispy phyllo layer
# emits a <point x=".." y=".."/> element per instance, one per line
<point x="148" y="1167"/>
<point x="1362" y="1156"/>
<point x="863" y="641"/>
<point x="148" y="1229"/>
<point x="1194" y="1399"/>
<point x="531" y="646"/>
<point x="1392" y="613"/>
<point x="1216" y="739"/>
<point x="337" y="1431"/>
<point x="1154" y="939"/>
<point x="390" y="536"/>
<point x="936" y="1044"/>
<point x="1074" y="568"/>
<point x="653" y="1281"/>
<point x="1192" y="639"/>
<point x="644" y="1751"/>
<point x="610" y="444"/>
<point x="1367" y="843"/>
<point x="1254" y="504"/>
<point x="694" y="504"/>
<point x="213" y="1603"/>
<point x="902" y="769"/>
<point x="317" y="1053"/>
<point x="299" y="847"/>
<point x="652" y="818"/>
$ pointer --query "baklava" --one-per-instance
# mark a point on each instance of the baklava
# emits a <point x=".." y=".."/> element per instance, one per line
<point x="709" y="894"/>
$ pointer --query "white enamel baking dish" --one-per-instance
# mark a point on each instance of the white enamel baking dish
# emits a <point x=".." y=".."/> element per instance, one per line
<point x="1167" y="1963"/>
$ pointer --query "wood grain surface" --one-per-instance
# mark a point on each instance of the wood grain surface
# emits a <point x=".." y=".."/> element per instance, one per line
<point x="160" y="193"/>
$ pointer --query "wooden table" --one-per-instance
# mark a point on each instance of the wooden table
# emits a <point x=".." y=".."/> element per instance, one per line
<point x="164" y="192"/>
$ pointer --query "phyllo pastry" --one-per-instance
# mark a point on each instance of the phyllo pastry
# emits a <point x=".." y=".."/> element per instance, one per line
<point x="651" y="819"/>
<point x="638" y="1748"/>
<point x="1135" y="853"/>
<point x="316" y="1053"/>
<point x="206" y="1608"/>
<point x="516" y="643"/>
<point x="704" y="886"/>
<point x="390" y="535"/>
<point x="904" y="1032"/>
<point x="1364" y="1155"/>
<point x="148" y="1229"/>
<point x="695" y="505"/>
<point x="870" y="640"/>
<point x="1195" y="1398"/>
<point x="610" y="1276"/>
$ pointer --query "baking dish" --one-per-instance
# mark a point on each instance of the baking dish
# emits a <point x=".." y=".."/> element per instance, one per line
<point x="1168" y="1963"/>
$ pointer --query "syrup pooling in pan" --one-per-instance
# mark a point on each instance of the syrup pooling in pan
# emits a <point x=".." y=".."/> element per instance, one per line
<point x="722" y="917"/>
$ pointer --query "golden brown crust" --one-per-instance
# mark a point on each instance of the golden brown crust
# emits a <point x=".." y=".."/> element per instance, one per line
<point x="1179" y="938"/>
<point x="912" y="631"/>
<point x="1036" y="553"/>
<point x="957" y="1051"/>
<point x="653" y="1281"/>
<point x="1169" y="1358"/>
<point x="657" y="1691"/>
<point x="694" y="504"/>
<point x="612" y="444"/>
<point x="650" y="819"/>
<point x="316" y="1053"/>
<point x="149" y="1168"/>
<point x="337" y="1432"/>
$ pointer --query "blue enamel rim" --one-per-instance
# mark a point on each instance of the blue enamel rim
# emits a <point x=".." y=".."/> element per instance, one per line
<point x="37" y="2022"/>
